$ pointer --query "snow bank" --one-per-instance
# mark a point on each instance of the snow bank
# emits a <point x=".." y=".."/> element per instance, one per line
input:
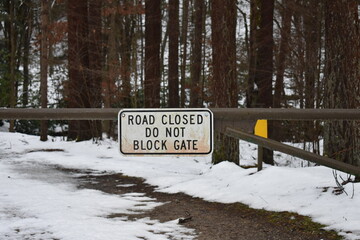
<point x="307" y="191"/>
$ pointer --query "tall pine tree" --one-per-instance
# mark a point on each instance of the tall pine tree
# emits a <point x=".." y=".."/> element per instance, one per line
<point x="152" y="53"/>
<point x="342" y="79"/>
<point x="223" y="86"/>
<point x="84" y="69"/>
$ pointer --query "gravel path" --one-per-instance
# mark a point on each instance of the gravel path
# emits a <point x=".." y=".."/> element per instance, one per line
<point x="211" y="220"/>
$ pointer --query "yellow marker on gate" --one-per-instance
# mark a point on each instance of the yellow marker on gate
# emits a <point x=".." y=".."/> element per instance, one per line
<point x="261" y="128"/>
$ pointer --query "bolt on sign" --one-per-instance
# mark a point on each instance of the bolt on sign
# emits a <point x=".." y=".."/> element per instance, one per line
<point x="166" y="131"/>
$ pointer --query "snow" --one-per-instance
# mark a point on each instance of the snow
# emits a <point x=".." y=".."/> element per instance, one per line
<point x="39" y="202"/>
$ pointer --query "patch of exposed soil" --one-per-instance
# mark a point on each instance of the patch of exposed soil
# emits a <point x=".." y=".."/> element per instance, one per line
<point x="211" y="220"/>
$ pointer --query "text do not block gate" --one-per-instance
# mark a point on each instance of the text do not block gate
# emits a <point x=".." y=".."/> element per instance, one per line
<point x="166" y="131"/>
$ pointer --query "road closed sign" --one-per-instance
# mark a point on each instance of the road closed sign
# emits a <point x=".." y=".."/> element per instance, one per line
<point x="166" y="131"/>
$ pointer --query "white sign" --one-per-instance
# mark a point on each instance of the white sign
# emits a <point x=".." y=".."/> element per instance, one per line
<point x="166" y="131"/>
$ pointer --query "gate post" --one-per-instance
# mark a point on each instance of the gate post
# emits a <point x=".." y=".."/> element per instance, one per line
<point x="225" y="148"/>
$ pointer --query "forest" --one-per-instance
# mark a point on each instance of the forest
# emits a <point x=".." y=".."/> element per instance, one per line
<point x="184" y="53"/>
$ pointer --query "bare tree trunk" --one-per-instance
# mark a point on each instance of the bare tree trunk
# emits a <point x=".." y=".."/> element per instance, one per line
<point x="264" y="63"/>
<point x="152" y="53"/>
<point x="195" y="91"/>
<point x="112" y="65"/>
<point x="44" y="53"/>
<point x="78" y="60"/>
<point x="342" y="87"/>
<point x="94" y="74"/>
<point x="126" y="36"/>
<point x="252" y="56"/>
<point x="183" y="40"/>
<point x="299" y="55"/>
<point x="84" y="57"/>
<point x="223" y="87"/>
<point x="265" y="42"/>
<point x="163" y="90"/>
<point x="142" y="53"/>
<point x="203" y="83"/>
<point x="283" y="52"/>
<point x="12" y="66"/>
<point x="311" y="29"/>
<point x="312" y="64"/>
<point x="224" y="90"/>
<point x="174" y="53"/>
<point x="27" y="39"/>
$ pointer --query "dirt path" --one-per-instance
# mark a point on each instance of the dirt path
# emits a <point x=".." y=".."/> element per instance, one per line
<point x="212" y="221"/>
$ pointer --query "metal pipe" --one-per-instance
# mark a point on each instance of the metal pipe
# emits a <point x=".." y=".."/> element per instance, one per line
<point x="277" y="146"/>
<point x="59" y="113"/>
<point x="285" y="114"/>
<point x="230" y="114"/>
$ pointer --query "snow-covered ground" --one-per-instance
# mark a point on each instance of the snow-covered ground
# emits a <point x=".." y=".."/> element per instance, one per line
<point x="38" y="202"/>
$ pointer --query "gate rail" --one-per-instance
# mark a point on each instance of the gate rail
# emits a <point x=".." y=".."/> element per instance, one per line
<point x="296" y="152"/>
<point x="226" y="119"/>
<point x="229" y="114"/>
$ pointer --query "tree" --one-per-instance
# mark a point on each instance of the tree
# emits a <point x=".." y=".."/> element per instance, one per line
<point x="312" y="48"/>
<point x="126" y="26"/>
<point x="183" y="41"/>
<point x="254" y="23"/>
<point x="224" y="90"/>
<point x="223" y="86"/>
<point x="265" y="45"/>
<point x="152" y="53"/>
<point x="77" y="61"/>
<point x="94" y="71"/>
<point x="312" y="38"/>
<point x="264" y="62"/>
<point x="83" y="87"/>
<point x="28" y="22"/>
<point x="44" y="53"/>
<point x="342" y="78"/>
<point x="174" y="54"/>
<point x="286" y="14"/>
<point x="12" y="59"/>
<point x="195" y="91"/>
<point x="15" y="42"/>
<point x="112" y="63"/>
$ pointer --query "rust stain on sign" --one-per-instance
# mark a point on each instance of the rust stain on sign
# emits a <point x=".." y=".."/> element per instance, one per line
<point x="166" y="131"/>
